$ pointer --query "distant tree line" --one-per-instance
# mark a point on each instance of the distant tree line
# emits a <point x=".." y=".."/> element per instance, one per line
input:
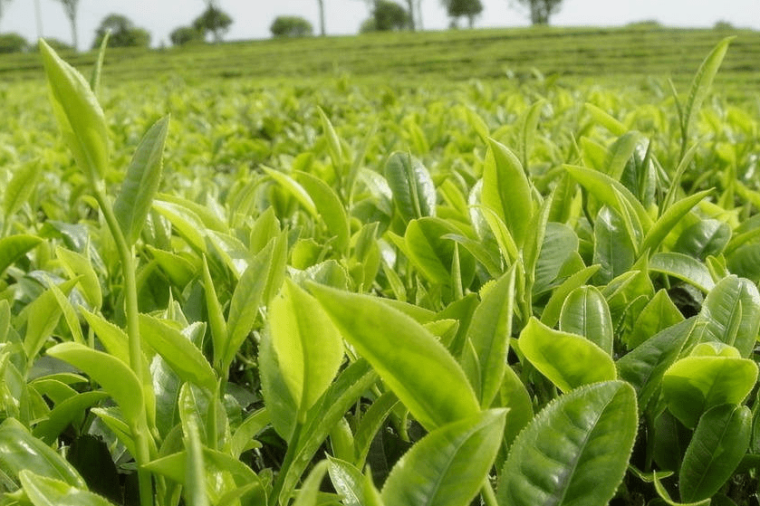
<point x="213" y="23"/>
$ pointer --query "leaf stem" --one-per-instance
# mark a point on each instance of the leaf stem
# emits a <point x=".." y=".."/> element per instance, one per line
<point x="290" y="455"/>
<point x="140" y="432"/>
<point x="489" y="496"/>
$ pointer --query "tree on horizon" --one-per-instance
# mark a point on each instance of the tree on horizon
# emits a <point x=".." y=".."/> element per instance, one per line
<point x="463" y="8"/>
<point x="70" y="7"/>
<point x="322" y="31"/>
<point x="540" y="10"/>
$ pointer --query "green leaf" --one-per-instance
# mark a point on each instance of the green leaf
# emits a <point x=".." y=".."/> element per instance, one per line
<point x="344" y="392"/>
<point x="372" y="495"/>
<point x="586" y="313"/>
<point x="514" y="396"/>
<point x="295" y="189"/>
<point x="278" y="400"/>
<point x="575" y="451"/>
<point x="534" y="245"/>
<point x="731" y="314"/>
<point x="331" y="209"/>
<point x="41" y="318"/>
<point x="528" y="125"/>
<point x="113" y="338"/>
<point x="14" y="247"/>
<point x="141" y="182"/>
<point x="216" y="320"/>
<point x="18" y="190"/>
<point x="613" y="249"/>
<point x="412" y="187"/>
<point x="69" y="314"/>
<point x="507" y="191"/>
<point x="660" y="313"/>
<point x="718" y="445"/>
<point x="370" y="423"/>
<point x="599" y="185"/>
<point x="204" y="409"/>
<point x="485" y="358"/>
<point x="244" y="307"/>
<point x="186" y="223"/>
<point x="430" y="251"/>
<point x="669" y="219"/>
<point x="309" y="347"/>
<point x="19" y="450"/>
<point x="665" y="496"/>
<point x="552" y="310"/>
<point x="333" y="141"/>
<point x="307" y="496"/>
<point x="78" y="265"/>
<point x="245" y="432"/>
<point x="703" y="79"/>
<point x="448" y="466"/>
<point x="619" y="153"/>
<point x="79" y="115"/>
<point x="645" y="366"/>
<point x="64" y="414"/>
<point x="43" y="491"/>
<point x="185" y="359"/>
<point x="98" y="68"/>
<point x="194" y="490"/>
<point x="684" y="268"/>
<point x="713" y="374"/>
<point x="568" y="360"/>
<point x="559" y="246"/>
<point x="347" y="480"/>
<point x="605" y="119"/>
<point x="114" y="376"/>
<point x="704" y="238"/>
<point x="425" y="377"/>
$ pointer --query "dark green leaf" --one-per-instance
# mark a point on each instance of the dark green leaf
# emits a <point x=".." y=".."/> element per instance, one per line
<point x="718" y="445"/>
<point x="449" y="465"/>
<point x="568" y="360"/>
<point x="79" y="115"/>
<point x="412" y="187"/>
<point x="425" y="377"/>
<point x="575" y="451"/>
<point x="141" y="182"/>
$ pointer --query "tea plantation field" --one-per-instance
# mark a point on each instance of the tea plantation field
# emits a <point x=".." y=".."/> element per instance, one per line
<point x="516" y="275"/>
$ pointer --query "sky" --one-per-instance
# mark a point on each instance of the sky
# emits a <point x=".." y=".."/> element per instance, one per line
<point x="252" y="18"/>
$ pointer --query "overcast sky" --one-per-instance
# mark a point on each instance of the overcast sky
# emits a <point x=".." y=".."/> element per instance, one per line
<point x="253" y="17"/>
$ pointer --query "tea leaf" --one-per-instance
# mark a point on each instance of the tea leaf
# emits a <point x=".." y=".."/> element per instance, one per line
<point x="449" y="465"/>
<point x="20" y="451"/>
<point x="731" y="314"/>
<point x="79" y="115"/>
<point x="330" y="208"/>
<point x="43" y="491"/>
<point x="697" y="383"/>
<point x="586" y="313"/>
<point x="14" y="247"/>
<point x="141" y="182"/>
<point x="718" y="445"/>
<point x="113" y="375"/>
<point x="490" y="328"/>
<point x="308" y="346"/>
<point x="575" y="451"/>
<point x="180" y="353"/>
<point x="568" y="360"/>
<point x="507" y="191"/>
<point x="683" y="267"/>
<point x="412" y="187"/>
<point x="700" y="86"/>
<point x="425" y="377"/>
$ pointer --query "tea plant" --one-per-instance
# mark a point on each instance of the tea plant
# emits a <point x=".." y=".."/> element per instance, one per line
<point x="572" y="321"/>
